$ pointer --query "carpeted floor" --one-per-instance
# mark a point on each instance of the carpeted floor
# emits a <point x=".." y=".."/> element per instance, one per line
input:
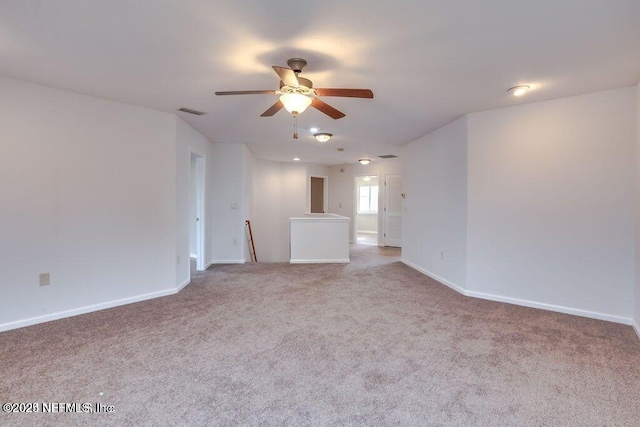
<point x="369" y="343"/>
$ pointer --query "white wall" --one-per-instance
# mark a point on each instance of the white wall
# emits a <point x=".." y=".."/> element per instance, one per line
<point x="342" y="188"/>
<point x="636" y="311"/>
<point x="267" y="220"/>
<point x="367" y="222"/>
<point x="280" y="191"/>
<point x="434" y="223"/>
<point x="188" y="140"/>
<point x="551" y="203"/>
<point x="88" y="190"/>
<point x="228" y="203"/>
<point x="247" y="159"/>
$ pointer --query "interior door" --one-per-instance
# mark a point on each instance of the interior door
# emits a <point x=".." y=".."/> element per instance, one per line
<point x="317" y="195"/>
<point x="393" y="211"/>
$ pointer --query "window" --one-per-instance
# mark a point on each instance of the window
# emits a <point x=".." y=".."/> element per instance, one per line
<point x="367" y="198"/>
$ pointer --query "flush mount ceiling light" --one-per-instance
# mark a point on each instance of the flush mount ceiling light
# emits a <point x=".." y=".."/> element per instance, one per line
<point x="366" y="178"/>
<point x="313" y="130"/>
<point x="364" y="161"/>
<point x="519" y="90"/>
<point x="323" y="137"/>
<point x="296" y="159"/>
<point x="295" y="103"/>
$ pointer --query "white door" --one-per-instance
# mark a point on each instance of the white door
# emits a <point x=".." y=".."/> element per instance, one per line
<point x="392" y="211"/>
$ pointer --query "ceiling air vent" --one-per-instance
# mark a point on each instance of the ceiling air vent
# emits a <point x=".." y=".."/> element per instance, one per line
<point x="190" y="111"/>
<point x="387" y="156"/>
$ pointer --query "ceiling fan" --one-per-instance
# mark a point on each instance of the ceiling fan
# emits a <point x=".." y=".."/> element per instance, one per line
<point x="297" y="93"/>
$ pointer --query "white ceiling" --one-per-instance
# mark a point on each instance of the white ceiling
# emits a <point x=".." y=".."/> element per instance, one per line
<point x="427" y="62"/>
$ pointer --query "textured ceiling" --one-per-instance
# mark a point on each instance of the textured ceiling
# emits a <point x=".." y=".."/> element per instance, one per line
<point x="428" y="62"/>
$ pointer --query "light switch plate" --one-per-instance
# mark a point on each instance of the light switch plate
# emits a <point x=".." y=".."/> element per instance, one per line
<point x="234" y="205"/>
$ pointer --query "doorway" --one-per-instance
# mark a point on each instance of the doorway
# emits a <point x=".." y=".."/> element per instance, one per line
<point x="392" y="233"/>
<point x="318" y="195"/>
<point x="366" y="204"/>
<point x="196" y="210"/>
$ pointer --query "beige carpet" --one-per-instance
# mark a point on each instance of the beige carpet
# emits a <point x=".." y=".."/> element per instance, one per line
<point x="369" y="343"/>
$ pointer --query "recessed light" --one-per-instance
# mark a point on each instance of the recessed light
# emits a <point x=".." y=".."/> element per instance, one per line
<point x="296" y="159"/>
<point x="313" y="130"/>
<point x="519" y="90"/>
<point x="364" y="161"/>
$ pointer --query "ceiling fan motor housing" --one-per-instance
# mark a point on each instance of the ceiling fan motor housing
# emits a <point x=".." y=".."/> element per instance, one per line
<point x="296" y="64"/>
<point x="304" y="83"/>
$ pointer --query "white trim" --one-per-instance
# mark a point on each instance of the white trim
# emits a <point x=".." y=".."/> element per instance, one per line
<point x="83" y="310"/>
<point x="193" y="256"/>
<point x="320" y="261"/>
<point x="227" y="261"/>
<point x="207" y="265"/>
<point x="435" y="277"/>
<point x="201" y="203"/>
<point x="551" y="307"/>
<point x="635" y="327"/>
<point x="183" y="285"/>
<point x="527" y="303"/>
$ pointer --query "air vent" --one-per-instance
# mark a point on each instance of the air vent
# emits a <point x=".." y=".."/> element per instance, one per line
<point x="388" y="156"/>
<point x="190" y="111"/>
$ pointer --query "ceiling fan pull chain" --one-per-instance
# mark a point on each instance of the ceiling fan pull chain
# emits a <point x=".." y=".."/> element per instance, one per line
<point x="295" y="127"/>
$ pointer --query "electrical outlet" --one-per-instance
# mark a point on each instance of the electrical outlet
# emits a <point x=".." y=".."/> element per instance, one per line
<point x="235" y="242"/>
<point x="45" y="279"/>
<point x="441" y="254"/>
<point x="340" y="204"/>
<point x="234" y="205"/>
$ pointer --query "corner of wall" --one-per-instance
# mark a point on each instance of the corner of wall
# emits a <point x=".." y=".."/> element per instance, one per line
<point x="636" y="290"/>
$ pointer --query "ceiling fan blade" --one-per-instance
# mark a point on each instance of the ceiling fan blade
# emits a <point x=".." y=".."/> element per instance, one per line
<point x="273" y="109"/>
<point x="287" y="76"/>
<point x="326" y="108"/>
<point x="348" y="93"/>
<point x="247" y="92"/>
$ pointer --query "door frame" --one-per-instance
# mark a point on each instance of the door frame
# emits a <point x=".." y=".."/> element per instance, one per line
<point x="200" y="194"/>
<point x="325" y="190"/>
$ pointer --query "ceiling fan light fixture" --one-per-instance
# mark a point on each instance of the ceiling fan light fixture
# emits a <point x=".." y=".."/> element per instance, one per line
<point x="323" y="137"/>
<point x="364" y="162"/>
<point x="295" y="103"/>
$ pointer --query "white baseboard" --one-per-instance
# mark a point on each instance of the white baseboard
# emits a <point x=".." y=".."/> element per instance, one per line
<point x="83" y="310"/>
<point x="320" y="261"/>
<point x="526" y="303"/>
<point x="636" y="327"/>
<point x="445" y="282"/>
<point x="226" y="261"/>
<point x="209" y="264"/>
<point x="182" y="285"/>
<point x="551" y="307"/>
